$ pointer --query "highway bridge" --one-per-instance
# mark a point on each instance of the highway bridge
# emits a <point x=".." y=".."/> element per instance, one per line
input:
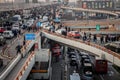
<point x="21" y="6"/>
<point x="91" y="10"/>
<point x="28" y="61"/>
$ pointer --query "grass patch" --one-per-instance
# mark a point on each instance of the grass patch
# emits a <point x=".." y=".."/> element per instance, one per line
<point x="117" y="68"/>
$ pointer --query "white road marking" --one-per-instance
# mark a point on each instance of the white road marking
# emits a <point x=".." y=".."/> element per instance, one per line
<point x="101" y="77"/>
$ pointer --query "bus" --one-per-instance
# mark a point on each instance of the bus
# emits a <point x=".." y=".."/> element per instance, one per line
<point x="101" y="66"/>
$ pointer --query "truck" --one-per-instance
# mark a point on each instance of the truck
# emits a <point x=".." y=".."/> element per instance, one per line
<point x="101" y="66"/>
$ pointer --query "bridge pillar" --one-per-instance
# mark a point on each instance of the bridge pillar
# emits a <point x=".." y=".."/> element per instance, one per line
<point x="65" y="48"/>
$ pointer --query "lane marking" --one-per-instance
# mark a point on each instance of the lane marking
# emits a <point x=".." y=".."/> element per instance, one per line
<point x="101" y="77"/>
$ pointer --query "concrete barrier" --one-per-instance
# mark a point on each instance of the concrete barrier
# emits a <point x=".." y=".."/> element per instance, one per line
<point x="10" y="67"/>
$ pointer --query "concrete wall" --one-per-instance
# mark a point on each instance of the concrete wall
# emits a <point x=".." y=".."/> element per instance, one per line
<point x="26" y="73"/>
<point x="10" y="67"/>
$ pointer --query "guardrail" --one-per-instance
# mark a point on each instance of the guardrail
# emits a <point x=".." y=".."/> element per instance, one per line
<point x="24" y="67"/>
<point x="91" y="10"/>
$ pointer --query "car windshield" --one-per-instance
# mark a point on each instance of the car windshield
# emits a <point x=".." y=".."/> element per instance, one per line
<point x="6" y="33"/>
<point x="88" y="74"/>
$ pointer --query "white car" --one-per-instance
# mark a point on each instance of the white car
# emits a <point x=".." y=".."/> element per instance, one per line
<point x="15" y="26"/>
<point x="59" y="31"/>
<point x="30" y="22"/>
<point x="8" y="34"/>
<point x="45" y="18"/>
<point x="44" y="24"/>
<point x="50" y="27"/>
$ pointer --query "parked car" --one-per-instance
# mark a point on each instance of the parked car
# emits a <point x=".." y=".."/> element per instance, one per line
<point x="30" y="22"/>
<point x="2" y="29"/>
<point x="8" y="34"/>
<point x="74" y="34"/>
<point x="2" y="40"/>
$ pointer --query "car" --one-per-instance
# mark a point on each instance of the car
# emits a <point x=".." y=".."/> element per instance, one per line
<point x="16" y="26"/>
<point x="74" y="34"/>
<point x="8" y="34"/>
<point x="73" y="62"/>
<point x="44" y="24"/>
<point x="86" y="61"/>
<point x="45" y="18"/>
<point x="75" y="76"/>
<point x="70" y="54"/>
<point x="2" y="29"/>
<point x="60" y="31"/>
<point x="114" y="46"/>
<point x="88" y="75"/>
<point x="2" y="40"/>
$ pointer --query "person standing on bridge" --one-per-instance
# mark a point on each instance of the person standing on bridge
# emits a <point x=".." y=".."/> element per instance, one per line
<point x="18" y="48"/>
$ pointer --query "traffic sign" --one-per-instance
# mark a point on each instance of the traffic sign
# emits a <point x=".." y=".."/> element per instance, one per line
<point x="30" y="36"/>
<point x="98" y="27"/>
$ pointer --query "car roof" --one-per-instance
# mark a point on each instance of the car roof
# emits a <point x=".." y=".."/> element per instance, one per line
<point x="88" y="64"/>
<point x="73" y="31"/>
<point x="7" y="31"/>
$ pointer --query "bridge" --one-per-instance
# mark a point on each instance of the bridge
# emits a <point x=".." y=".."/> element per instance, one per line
<point x="25" y="64"/>
<point x="91" y="10"/>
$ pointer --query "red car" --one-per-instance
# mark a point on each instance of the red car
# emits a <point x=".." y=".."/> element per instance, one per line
<point x="2" y="29"/>
<point x="74" y="34"/>
<point x="56" y="50"/>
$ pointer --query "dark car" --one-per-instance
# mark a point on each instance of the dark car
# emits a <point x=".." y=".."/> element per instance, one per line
<point x="2" y="40"/>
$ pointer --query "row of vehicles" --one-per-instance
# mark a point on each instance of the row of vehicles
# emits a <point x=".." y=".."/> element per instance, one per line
<point x="86" y="65"/>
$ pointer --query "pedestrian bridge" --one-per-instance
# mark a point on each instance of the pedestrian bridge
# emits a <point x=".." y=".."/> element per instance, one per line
<point x="91" y="10"/>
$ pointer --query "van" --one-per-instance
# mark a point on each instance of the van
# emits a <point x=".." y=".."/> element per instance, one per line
<point x="16" y="18"/>
<point x="8" y="34"/>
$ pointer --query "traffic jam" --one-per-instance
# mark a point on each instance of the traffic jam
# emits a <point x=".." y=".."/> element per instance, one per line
<point x="81" y="65"/>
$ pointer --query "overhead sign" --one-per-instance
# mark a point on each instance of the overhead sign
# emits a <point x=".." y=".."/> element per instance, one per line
<point x="30" y="36"/>
<point x="98" y="27"/>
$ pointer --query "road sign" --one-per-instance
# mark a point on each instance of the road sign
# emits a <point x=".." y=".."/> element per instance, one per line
<point x="30" y="36"/>
<point x="98" y="27"/>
